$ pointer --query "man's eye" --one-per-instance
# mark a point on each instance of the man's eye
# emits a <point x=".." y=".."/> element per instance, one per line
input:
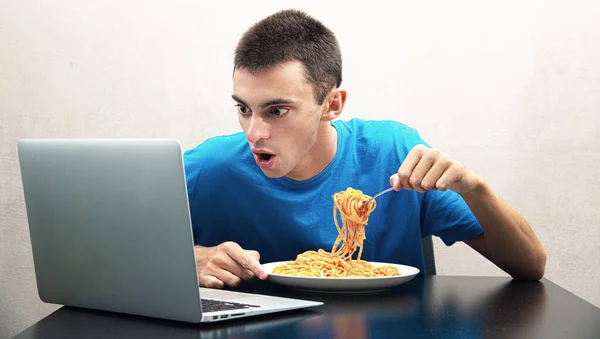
<point x="243" y="109"/>
<point x="278" y="111"/>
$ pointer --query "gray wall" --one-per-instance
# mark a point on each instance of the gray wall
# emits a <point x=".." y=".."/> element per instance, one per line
<point x="511" y="89"/>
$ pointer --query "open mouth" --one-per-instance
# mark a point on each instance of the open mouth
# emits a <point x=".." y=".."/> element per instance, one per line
<point x="264" y="160"/>
<point x="265" y="156"/>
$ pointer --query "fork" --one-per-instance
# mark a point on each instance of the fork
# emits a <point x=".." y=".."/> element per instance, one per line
<point x="378" y="194"/>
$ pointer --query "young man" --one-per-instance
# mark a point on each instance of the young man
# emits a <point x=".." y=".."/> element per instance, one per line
<point x="265" y="194"/>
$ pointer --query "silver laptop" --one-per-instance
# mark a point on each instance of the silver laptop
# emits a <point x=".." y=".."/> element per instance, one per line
<point x="110" y="230"/>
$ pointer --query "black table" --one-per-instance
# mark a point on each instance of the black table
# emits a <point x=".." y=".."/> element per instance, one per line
<point x="426" y="307"/>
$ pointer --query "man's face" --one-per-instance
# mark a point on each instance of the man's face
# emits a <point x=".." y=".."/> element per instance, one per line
<point x="278" y="113"/>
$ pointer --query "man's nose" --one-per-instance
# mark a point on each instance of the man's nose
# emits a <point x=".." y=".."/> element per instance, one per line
<point x="258" y="129"/>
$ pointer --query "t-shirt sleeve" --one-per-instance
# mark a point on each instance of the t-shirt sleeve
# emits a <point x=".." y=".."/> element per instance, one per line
<point x="203" y="177"/>
<point x="447" y="215"/>
<point x="443" y="214"/>
<point x="193" y="169"/>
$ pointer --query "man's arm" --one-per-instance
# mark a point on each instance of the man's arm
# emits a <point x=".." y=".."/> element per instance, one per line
<point x="508" y="241"/>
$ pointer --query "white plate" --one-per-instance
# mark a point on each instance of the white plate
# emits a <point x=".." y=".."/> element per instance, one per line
<point x="343" y="285"/>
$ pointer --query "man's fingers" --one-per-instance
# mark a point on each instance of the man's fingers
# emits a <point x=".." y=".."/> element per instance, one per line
<point x="223" y="261"/>
<point x="219" y="279"/>
<point x="447" y="179"/>
<point x="428" y="169"/>
<point x="227" y="264"/>
<point x="210" y="282"/>
<point x="428" y="159"/>
<point x="254" y="254"/>
<point x="430" y="180"/>
<point x="248" y="275"/>
<point x="408" y="165"/>
<point x="395" y="182"/>
<point x="229" y="278"/>
<point x="245" y="260"/>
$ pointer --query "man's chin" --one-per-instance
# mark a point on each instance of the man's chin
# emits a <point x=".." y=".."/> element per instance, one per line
<point x="272" y="173"/>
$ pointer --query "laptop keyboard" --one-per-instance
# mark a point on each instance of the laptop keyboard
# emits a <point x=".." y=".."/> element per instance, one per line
<point x="211" y="305"/>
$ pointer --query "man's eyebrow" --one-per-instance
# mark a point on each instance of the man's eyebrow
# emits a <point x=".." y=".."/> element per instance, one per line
<point x="277" y="102"/>
<point x="266" y="104"/>
<point x="238" y="100"/>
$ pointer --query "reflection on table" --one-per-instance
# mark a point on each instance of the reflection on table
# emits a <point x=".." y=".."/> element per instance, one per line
<point x="438" y="306"/>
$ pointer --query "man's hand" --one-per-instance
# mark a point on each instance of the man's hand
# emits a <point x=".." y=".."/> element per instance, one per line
<point x="227" y="264"/>
<point x="430" y="169"/>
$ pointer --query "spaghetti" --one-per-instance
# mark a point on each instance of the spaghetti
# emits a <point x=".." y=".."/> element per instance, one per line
<point x="354" y="208"/>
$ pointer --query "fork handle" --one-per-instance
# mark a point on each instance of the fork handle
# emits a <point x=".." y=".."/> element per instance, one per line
<point x="383" y="192"/>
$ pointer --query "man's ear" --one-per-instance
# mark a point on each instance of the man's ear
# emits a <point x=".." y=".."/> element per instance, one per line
<point x="334" y="104"/>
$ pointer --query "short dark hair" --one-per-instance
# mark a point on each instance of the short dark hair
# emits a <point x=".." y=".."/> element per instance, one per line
<point x="290" y="35"/>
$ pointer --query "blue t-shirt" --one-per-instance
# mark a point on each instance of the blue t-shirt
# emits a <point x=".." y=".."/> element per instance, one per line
<point x="232" y="200"/>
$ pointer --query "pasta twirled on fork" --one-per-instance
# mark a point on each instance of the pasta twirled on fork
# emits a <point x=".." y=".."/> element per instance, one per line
<point x="354" y="208"/>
